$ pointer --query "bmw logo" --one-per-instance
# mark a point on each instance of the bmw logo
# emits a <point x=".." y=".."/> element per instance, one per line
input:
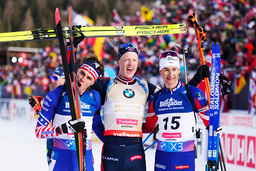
<point x="129" y="93"/>
<point x="163" y="145"/>
<point x="69" y="144"/>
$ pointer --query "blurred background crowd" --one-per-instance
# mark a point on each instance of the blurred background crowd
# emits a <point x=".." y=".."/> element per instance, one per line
<point x="231" y="23"/>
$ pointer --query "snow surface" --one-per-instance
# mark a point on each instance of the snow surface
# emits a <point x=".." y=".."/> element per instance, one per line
<point x="21" y="150"/>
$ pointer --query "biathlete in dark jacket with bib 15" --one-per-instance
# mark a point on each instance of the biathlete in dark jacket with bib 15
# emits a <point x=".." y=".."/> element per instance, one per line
<point x="56" y="108"/>
<point x="124" y="99"/>
<point x="173" y="111"/>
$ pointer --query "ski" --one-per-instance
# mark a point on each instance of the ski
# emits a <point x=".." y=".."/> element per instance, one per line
<point x="97" y="31"/>
<point x="213" y="137"/>
<point x="82" y="136"/>
<point x="69" y="74"/>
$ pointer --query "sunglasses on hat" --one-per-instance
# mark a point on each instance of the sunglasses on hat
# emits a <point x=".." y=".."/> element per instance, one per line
<point x="168" y="54"/>
<point x="56" y="77"/>
<point x="125" y="45"/>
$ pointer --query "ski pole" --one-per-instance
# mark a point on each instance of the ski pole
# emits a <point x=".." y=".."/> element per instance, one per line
<point x="184" y="51"/>
<point x="151" y="133"/>
<point x="150" y="145"/>
<point x="201" y="36"/>
<point x="222" y="155"/>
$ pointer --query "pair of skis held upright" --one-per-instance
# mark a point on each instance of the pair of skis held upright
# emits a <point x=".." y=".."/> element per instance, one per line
<point x="213" y="94"/>
<point x="69" y="65"/>
<point x="214" y="154"/>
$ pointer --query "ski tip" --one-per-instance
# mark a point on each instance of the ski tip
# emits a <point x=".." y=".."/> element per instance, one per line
<point x="57" y="15"/>
<point x="69" y="16"/>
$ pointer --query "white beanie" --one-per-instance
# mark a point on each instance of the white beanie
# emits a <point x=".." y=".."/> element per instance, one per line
<point x="169" y="60"/>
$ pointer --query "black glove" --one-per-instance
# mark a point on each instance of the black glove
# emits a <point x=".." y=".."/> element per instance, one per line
<point x="72" y="126"/>
<point x="202" y="72"/>
<point x="155" y="131"/>
<point x="226" y="86"/>
<point x="35" y="101"/>
<point x="77" y="34"/>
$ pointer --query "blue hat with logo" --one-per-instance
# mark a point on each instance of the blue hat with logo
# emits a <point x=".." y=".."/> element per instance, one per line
<point x="59" y="71"/>
<point x="127" y="47"/>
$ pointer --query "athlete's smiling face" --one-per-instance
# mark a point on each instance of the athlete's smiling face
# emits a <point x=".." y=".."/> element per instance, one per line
<point x="128" y="64"/>
<point x="170" y="76"/>
<point x="85" y="79"/>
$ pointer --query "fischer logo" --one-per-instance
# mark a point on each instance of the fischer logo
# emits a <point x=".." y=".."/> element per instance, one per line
<point x="136" y="157"/>
<point x="151" y="27"/>
<point x="170" y="102"/>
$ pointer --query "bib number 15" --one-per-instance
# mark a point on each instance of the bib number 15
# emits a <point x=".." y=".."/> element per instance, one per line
<point x="172" y="122"/>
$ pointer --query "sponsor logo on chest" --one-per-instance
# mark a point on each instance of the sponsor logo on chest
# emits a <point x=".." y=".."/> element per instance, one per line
<point x="170" y="102"/>
<point x="83" y="105"/>
<point x="128" y="93"/>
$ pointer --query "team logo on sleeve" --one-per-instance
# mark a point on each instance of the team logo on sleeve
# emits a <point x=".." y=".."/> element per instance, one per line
<point x="129" y="93"/>
<point x="199" y="96"/>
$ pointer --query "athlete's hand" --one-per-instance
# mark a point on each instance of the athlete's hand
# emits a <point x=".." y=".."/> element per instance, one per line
<point x="71" y="126"/>
<point x="78" y="35"/>
<point x="33" y="101"/>
<point x="202" y="72"/>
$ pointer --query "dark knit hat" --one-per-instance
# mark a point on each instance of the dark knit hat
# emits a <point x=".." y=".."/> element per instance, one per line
<point x="127" y="47"/>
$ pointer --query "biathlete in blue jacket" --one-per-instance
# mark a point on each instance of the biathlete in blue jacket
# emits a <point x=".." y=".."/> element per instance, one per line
<point x="56" y="108"/>
<point x="57" y="78"/>
<point x="173" y="111"/>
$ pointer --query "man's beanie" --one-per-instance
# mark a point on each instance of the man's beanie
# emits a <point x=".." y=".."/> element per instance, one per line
<point x="59" y="71"/>
<point x="129" y="48"/>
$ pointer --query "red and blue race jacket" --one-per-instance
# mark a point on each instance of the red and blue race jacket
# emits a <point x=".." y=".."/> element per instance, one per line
<point x="59" y="113"/>
<point x="172" y="110"/>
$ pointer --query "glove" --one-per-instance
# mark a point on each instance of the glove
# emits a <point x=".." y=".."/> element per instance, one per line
<point x="77" y="34"/>
<point x="202" y="72"/>
<point x="226" y="86"/>
<point x="72" y="126"/>
<point x="35" y="102"/>
<point x="155" y="131"/>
